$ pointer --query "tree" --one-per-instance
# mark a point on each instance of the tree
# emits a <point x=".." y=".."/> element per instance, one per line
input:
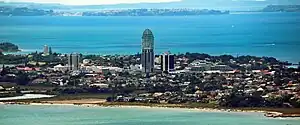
<point x="297" y="105"/>
<point x="275" y="101"/>
<point x="22" y="78"/>
<point x="4" y="71"/>
<point x="226" y="58"/>
<point x="109" y="99"/>
<point x="37" y="64"/>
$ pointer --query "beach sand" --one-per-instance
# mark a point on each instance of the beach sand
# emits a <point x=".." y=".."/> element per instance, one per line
<point x="81" y="101"/>
<point x="103" y="103"/>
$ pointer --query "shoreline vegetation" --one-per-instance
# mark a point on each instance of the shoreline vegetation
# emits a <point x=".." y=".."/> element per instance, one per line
<point x="97" y="102"/>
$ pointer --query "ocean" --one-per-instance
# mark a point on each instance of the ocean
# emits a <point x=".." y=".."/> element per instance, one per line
<point x="259" y="34"/>
<point x="79" y="115"/>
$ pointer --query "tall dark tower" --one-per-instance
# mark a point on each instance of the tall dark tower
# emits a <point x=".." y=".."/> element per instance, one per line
<point x="147" y="58"/>
<point x="73" y="61"/>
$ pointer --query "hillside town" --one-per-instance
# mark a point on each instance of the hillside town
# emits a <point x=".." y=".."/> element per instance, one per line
<point x="194" y="78"/>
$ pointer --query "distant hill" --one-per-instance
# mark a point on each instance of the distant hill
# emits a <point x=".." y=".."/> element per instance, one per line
<point x="23" y="11"/>
<point x="155" y="12"/>
<point x="196" y="4"/>
<point x="33" y="5"/>
<point x="245" y="5"/>
<point x="282" y="8"/>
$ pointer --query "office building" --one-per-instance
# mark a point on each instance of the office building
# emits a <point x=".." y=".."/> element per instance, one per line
<point x="46" y="50"/>
<point x="73" y="61"/>
<point x="147" y="58"/>
<point x="50" y="51"/>
<point x="167" y="62"/>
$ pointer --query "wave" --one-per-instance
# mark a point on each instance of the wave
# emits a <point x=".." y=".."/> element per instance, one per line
<point x="271" y="44"/>
<point x="28" y="50"/>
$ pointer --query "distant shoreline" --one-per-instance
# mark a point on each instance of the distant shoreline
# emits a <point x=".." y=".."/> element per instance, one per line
<point x="231" y="13"/>
<point x="187" y="15"/>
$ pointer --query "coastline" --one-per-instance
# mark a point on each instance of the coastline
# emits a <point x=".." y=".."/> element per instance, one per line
<point x="112" y="105"/>
<point x="102" y="103"/>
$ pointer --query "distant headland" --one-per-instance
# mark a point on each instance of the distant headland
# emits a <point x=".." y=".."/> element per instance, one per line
<point x="8" y="47"/>
<point x="26" y="11"/>
<point x="282" y="8"/>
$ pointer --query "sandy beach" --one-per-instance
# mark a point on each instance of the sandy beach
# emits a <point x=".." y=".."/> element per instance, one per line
<point x="82" y="101"/>
<point x="89" y="113"/>
<point x="96" y="102"/>
<point x="103" y="103"/>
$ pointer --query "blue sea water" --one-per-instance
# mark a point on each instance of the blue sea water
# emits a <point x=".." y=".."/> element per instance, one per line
<point x="260" y="34"/>
<point x="77" y="115"/>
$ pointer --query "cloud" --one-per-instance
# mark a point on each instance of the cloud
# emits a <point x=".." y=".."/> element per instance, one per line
<point x="93" y="2"/>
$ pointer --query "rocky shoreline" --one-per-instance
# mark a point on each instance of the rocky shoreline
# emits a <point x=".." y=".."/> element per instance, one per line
<point x="280" y="115"/>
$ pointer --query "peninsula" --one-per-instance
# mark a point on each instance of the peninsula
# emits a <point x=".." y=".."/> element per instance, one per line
<point x="244" y="83"/>
<point x="183" y="80"/>
<point x="155" y="12"/>
<point x="282" y="8"/>
<point x="23" y="11"/>
<point x="26" y="11"/>
<point x="8" y="47"/>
